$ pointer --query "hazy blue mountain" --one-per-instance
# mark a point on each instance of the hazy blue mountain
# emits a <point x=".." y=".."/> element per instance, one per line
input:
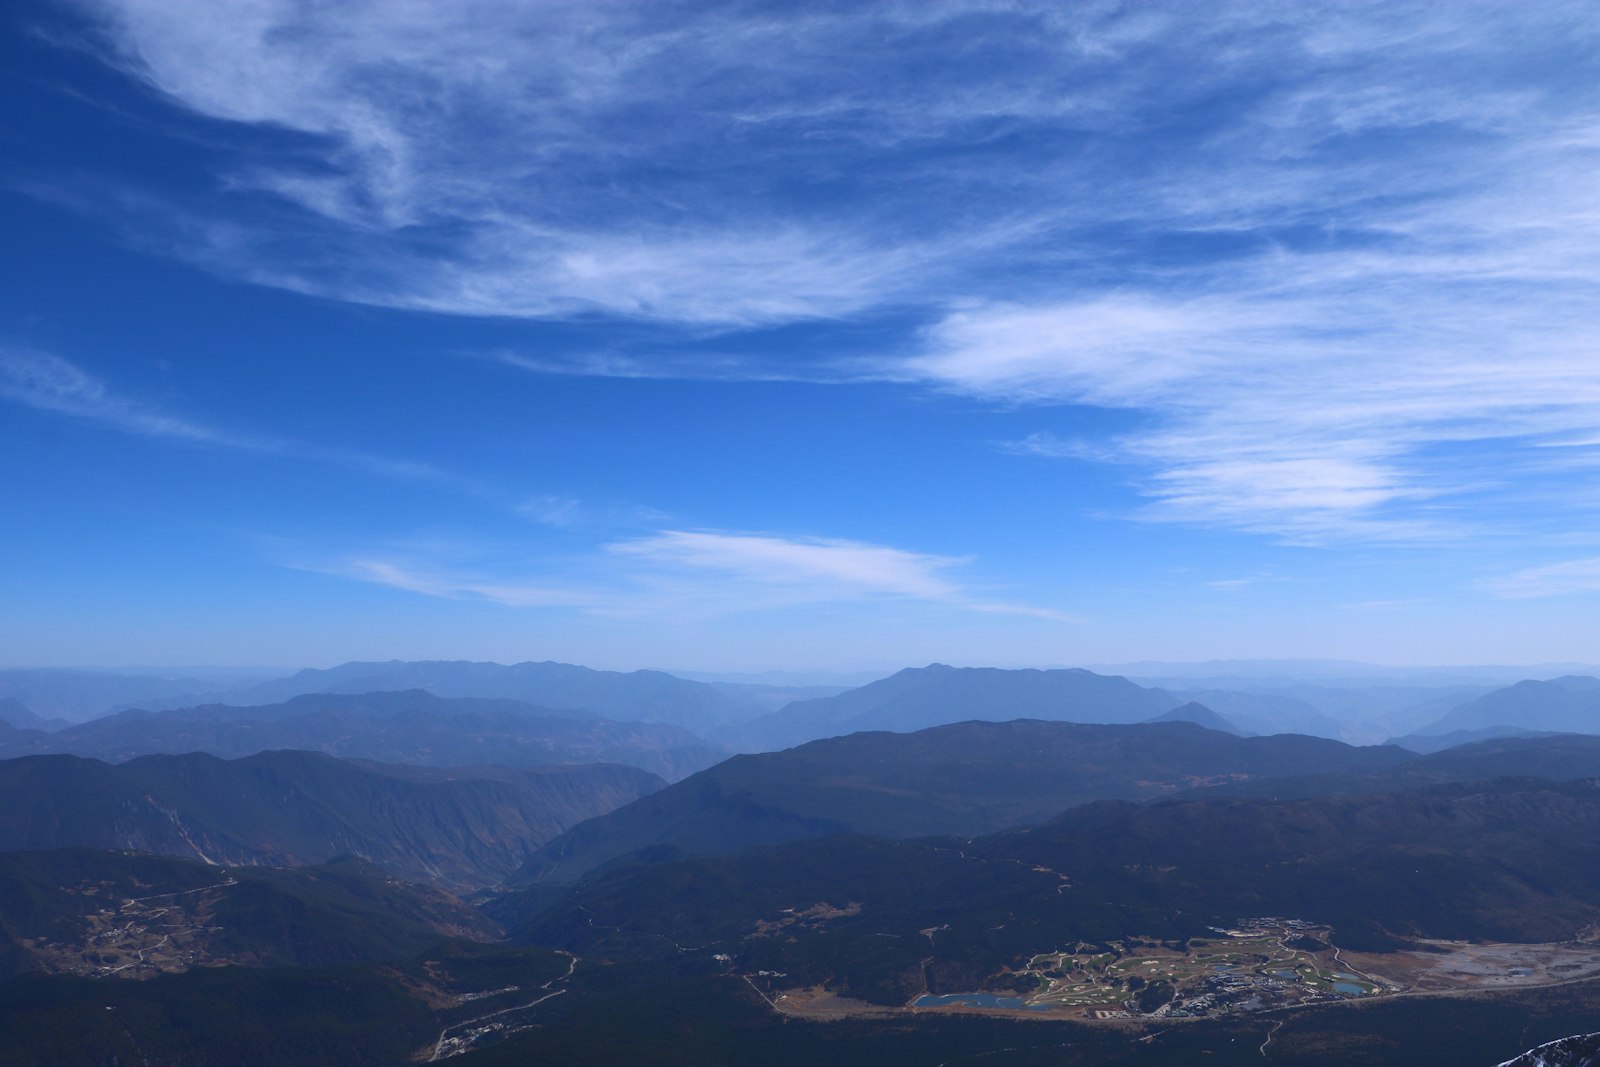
<point x="75" y="695"/>
<point x="457" y="828"/>
<point x="1427" y="744"/>
<point x="1249" y="674"/>
<point x="1352" y="709"/>
<point x="1200" y="715"/>
<point x="1384" y="711"/>
<point x="840" y="680"/>
<point x="964" y="779"/>
<point x="1264" y="713"/>
<point x="15" y="713"/>
<point x="920" y="697"/>
<point x="635" y="696"/>
<point x="1569" y="704"/>
<point x="759" y="699"/>
<point x="402" y="727"/>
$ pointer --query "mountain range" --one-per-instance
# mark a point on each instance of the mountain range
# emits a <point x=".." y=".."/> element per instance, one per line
<point x="919" y="697"/>
<point x="1351" y="702"/>
<point x="412" y="726"/>
<point x="1504" y="861"/>
<point x="964" y="779"/>
<point x="457" y="829"/>
<point x="634" y="696"/>
<point x="306" y="906"/>
<point x="1569" y="704"/>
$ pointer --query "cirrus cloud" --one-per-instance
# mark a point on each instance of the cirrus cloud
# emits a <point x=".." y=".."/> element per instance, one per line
<point x="693" y="573"/>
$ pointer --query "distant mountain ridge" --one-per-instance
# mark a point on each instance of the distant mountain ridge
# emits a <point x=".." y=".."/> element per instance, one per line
<point x="634" y="696"/>
<point x="461" y="829"/>
<point x="74" y="695"/>
<point x="1569" y="704"/>
<point x="1427" y="744"/>
<point x="919" y="697"/>
<point x="14" y="712"/>
<point x="1200" y="715"/>
<point x="414" y="726"/>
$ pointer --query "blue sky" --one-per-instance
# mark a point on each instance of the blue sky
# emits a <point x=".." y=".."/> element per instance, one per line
<point x="743" y="336"/>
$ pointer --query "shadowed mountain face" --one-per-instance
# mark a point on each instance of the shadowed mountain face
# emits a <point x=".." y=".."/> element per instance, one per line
<point x="122" y="914"/>
<point x="457" y="829"/>
<point x="1551" y="758"/>
<point x="917" y="698"/>
<point x="967" y="778"/>
<point x="403" y="727"/>
<point x="1562" y="705"/>
<point x="635" y="696"/>
<point x="1507" y="860"/>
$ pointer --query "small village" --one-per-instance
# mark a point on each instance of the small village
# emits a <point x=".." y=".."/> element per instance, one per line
<point x="1256" y="965"/>
<point x="137" y="937"/>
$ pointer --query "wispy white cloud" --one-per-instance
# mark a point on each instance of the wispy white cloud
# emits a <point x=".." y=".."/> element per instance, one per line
<point x="1343" y="257"/>
<point x="1353" y="393"/>
<point x="567" y="512"/>
<point x="829" y="569"/>
<point x="1383" y="605"/>
<point x="715" y="163"/>
<point x="414" y="578"/>
<point x="1556" y="579"/>
<point x="1231" y="585"/>
<point x="481" y="158"/>
<point x="683" y="573"/>
<point x="1049" y="446"/>
<point x="46" y="382"/>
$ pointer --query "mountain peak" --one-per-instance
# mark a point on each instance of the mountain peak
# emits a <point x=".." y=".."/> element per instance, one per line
<point x="1200" y="715"/>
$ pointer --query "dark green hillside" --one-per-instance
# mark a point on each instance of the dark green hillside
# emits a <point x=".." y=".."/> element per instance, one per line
<point x="1513" y="860"/>
<point x="967" y="778"/>
<point x="109" y="914"/>
<point x="1554" y="758"/>
<point x="460" y="829"/>
<point x="236" y="1016"/>
<point x="46" y="894"/>
<point x="378" y="1013"/>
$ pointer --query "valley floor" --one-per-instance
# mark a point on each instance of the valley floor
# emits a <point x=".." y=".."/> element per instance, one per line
<point x="1264" y="965"/>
